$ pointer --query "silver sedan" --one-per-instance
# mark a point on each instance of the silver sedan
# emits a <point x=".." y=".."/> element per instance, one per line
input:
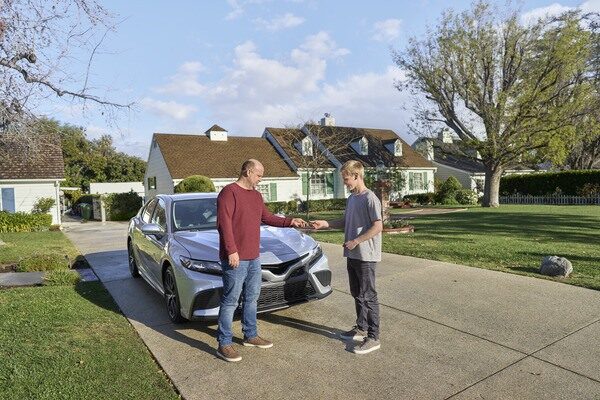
<point x="173" y="244"/>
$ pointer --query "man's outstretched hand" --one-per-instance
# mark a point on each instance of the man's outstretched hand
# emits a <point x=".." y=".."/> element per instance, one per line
<point x="299" y="223"/>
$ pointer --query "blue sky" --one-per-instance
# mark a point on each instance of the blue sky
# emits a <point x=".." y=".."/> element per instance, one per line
<point x="247" y="64"/>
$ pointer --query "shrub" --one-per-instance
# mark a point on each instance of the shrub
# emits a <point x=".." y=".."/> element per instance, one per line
<point x="589" y="190"/>
<point x="466" y="196"/>
<point x="73" y="195"/>
<point x="283" y="207"/>
<point x="61" y="277"/>
<point x="447" y="191"/>
<point x="43" y="262"/>
<point x="122" y="206"/>
<point x="570" y="183"/>
<point x="421" y="198"/>
<point x="195" y="183"/>
<point x="324" y="205"/>
<point x="23" y="222"/>
<point x="43" y="205"/>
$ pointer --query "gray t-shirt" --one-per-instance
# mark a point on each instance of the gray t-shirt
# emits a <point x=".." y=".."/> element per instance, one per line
<point x="362" y="210"/>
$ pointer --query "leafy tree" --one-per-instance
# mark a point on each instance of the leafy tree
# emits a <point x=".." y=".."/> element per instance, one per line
<point x="195" y="183"/>
<point x="509" y="90"/>
<point x="94" y="160"/>
<point x="40" y="43"/>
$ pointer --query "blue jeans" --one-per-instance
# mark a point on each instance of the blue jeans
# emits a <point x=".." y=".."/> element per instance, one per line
<point x="246" y="276"/>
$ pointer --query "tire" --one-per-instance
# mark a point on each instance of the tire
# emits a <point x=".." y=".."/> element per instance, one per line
<point x="133" y="268"/>
<point x="172" y="297"/>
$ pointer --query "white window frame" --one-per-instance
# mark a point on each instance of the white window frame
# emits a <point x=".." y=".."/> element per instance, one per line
<point x="363" y="146"/>
<point x="265" y="190"/>
<point x="318" y="184"/>
<point x="307" y="147"/>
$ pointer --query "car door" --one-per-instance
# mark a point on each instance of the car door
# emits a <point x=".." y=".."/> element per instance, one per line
<point x="156" y="244"/>
<point x="140" y="243"/>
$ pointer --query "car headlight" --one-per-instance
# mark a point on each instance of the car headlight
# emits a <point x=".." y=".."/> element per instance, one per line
<point x="207" y="267"/>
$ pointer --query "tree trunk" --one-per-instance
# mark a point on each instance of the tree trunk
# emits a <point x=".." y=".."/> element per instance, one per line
<point x="492" y="186"/>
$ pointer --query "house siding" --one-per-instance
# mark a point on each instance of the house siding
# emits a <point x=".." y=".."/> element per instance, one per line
<point x="157" y="167"/>
<point x="28" y="192"/>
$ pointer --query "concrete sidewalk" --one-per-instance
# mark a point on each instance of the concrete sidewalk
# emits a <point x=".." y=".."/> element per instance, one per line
<point x="448" y="331"/>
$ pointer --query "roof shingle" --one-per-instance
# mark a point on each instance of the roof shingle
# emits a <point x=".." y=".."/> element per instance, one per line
<point x="187" y="155"/>
<point x="46" y="164"/>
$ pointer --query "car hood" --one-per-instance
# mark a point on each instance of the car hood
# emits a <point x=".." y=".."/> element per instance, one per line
<point x="277" y="245"/>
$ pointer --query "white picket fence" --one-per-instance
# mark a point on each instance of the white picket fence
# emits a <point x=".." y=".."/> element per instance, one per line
<point x="551" y="199"/>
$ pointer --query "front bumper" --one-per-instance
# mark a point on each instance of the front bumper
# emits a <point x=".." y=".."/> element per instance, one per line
<point x="200" y="301"/>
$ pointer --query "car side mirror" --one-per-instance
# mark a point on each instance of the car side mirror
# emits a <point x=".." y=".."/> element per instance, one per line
<point x="153" y="229"/>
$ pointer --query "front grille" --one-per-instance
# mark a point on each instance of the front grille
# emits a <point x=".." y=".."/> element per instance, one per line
<point x="280" y="269"/>
<point x="288" y="292"/>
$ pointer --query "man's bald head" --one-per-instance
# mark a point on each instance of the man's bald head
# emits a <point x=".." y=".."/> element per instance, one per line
<point x="251" y="164"/>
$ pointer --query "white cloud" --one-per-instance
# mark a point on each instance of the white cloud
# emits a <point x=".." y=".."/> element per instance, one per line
<point x="169" y="109"/>
<point x="534" y="15"/>
<point x="591" y="6"/>
<point x="386" y="31"/>
<point x="285" y="21"/>
<point x="185" y="80"/>
<point x="236" y="12"/>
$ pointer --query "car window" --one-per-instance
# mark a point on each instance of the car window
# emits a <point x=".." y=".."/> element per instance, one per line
<point x="160" y="217"/>
<point x="195" y="214"/>
<point x="147" y="213"/>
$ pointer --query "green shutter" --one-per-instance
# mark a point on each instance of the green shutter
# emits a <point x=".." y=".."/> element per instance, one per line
<point x="329" y="182"/>
<point x="411" y="183"/>
<point x="304" y="183"/>
<point x="273" y="191"/>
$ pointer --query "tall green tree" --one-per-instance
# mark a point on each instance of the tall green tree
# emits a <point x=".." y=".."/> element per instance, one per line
<point x="94" y="160"/>
<point x="509" y="90"/>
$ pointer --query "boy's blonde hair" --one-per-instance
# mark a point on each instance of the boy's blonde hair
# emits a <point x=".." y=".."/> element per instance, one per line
<point x="353" y="167"/>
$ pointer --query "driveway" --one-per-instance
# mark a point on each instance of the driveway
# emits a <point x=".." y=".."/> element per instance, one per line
<point x="447" y="331"/>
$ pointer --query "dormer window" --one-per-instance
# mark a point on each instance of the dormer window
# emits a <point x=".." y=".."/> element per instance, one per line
<point x="307" y="147"/>
<point x="398" y="148"/>
<point x="363" y="146"/>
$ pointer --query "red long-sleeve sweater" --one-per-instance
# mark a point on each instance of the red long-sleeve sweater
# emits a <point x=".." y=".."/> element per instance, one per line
<point x="239" y="215"/>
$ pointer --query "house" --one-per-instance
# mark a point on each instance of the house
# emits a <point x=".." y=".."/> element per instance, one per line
<point x="219" y="156"/>
<point x="378" y="149"/>
<point x="452" y="157"/>
<point x="24" y="179"/>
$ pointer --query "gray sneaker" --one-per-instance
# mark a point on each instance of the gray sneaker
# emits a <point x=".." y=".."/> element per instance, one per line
<point x="368" y="345"/>
<point x="354" y="334"/>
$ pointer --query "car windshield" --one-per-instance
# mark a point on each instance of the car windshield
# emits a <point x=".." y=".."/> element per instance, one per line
<point x="195" y="214"/>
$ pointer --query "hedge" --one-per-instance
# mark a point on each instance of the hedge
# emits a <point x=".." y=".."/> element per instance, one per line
<point x="23" y="222"/>
<point x="569" y="183"/>
<point x="324" y="205"/>
<point x="421" y="198"/>
<point x="292" y="206"/>
<point x="283" y="207"/>
<point x="122" y="206"/>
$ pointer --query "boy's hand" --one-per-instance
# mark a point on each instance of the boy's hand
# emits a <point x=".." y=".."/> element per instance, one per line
<point x="350" y="244"/>
<point x="319" y="224"/>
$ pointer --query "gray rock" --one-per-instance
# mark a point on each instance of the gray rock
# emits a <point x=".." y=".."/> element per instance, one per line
<point x="556" y="266"/>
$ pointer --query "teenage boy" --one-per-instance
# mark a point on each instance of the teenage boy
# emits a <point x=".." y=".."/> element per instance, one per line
<point x="362" y="224"/>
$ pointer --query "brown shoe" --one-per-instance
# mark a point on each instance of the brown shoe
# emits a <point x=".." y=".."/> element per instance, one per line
<point x="258" y="342"/>
<point x="228" y="353"/>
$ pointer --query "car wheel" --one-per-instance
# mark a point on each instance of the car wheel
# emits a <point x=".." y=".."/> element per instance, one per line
<point x="172" y="297"/>
<point x="133" y="268"/>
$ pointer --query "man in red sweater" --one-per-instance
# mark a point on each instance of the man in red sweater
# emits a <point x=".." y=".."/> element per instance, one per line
<point x="240" y="211"/>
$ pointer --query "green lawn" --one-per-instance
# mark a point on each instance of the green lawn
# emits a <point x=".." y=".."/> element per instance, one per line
<point x="71" y="342"/>
<point x="37" y="251"/>
<point x="510" y="238"/>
